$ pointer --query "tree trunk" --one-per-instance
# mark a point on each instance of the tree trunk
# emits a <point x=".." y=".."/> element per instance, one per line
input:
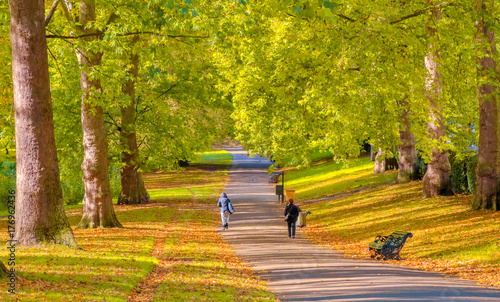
<point x="40" y="215"/>
<point x="437" y="178"/>
<point x="97" y="203"/>
<point x="407" y="150"/>
<point x="133" y="190"/>
<point x="487" y="186"/>
<point x="379" y="165"/>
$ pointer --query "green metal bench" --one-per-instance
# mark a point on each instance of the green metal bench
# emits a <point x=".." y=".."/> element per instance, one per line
<point x="388" y="247"/>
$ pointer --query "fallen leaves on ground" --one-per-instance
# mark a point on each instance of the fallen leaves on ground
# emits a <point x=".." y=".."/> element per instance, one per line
<point x="448" y="236"/>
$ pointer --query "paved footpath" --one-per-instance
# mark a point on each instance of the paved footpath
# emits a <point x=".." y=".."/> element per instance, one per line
<point x="301" y="271"/>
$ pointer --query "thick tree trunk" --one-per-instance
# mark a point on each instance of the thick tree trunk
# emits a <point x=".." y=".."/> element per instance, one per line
<point x="133" y="190"/>
<point x="40" y="213"/>
<point x="407" y="150"/>
<point x="487" y="181"/>
<point x="97" y="203"/>
<point x="379" y="165"/>
<point x="437" y="178"/>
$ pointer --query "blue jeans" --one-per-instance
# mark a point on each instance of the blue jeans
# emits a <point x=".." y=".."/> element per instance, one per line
<point x="291" y="228"/>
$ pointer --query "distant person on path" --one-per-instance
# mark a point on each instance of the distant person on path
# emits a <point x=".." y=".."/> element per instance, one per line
<point x="291" y="214"/>
<point x="224" y="204"/>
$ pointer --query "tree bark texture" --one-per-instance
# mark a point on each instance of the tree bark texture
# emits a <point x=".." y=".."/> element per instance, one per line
<point x="379" y="165"/>
<point x="437" y="178"/>
<point x="487" y="178"/>
<point x="40" y="215"/>
<point x="407" y="149"/>
<point x="97" y="203"/>
<point x="133" y="190"/>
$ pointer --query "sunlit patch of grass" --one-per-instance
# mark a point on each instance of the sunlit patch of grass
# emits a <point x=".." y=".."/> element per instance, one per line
<point x="217" y="157"/>
<point x="332" y="178"/>
<point x="174" y="179"/>
<point x="109" y="263"/>
<point x="172" y="193"/>
<point x="448" y="236"/>
<point x="205" y="268"/>
<point x="201" y="182"/>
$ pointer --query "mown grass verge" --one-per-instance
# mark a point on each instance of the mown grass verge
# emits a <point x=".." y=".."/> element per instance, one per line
<point x="448" y="236"/>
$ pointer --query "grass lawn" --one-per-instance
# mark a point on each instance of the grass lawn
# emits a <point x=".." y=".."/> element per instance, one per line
<point x="330" y="178"/>
<point x="448" y="236"/>
<point x="166" y="251"/>
<point x="201" y="182"/>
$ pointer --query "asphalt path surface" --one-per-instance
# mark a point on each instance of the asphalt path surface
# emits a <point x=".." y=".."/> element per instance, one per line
<point x="300" y="271"/>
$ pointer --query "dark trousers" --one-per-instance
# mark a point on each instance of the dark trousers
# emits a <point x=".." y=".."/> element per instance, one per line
<point x="291" y="228"/>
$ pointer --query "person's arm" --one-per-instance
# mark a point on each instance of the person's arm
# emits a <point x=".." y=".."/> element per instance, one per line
<point x="286" y="210"/>
<point x="219" y="204"/>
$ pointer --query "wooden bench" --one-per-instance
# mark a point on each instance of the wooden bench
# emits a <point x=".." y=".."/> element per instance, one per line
<point x="388" y="247"/>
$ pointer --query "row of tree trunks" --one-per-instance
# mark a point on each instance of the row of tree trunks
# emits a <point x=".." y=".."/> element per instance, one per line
<point x="133" y="190"/>
<point x="488" y="167"/>
<point x="97" y="203"/>
<point x="437" y="178"/>
<point x="40" y="215"/>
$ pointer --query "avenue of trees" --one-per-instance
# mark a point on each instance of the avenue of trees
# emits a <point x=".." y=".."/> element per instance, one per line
<point x="407" y="77"/>
<point x="101" y="91"/>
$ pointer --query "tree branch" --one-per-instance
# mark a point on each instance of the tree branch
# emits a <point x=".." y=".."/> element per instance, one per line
<point x="51" y="13"/>
<point x="346" y="18"/>
<point x="67" y="14"/>
<point x="114" y="123"/>
<point x="420" y="12"/>
<point x="143" y="111"/>
<point x="166" y="91"/>
<point x="100" y="33"/>
<point x="142" y="141"/>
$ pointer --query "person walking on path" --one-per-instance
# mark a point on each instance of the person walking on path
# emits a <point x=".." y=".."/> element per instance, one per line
<point x="224" y="204"/>
<point x="291" y="214"/>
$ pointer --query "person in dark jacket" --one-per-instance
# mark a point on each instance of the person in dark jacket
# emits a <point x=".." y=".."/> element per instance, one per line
<point x="291" y="213"/>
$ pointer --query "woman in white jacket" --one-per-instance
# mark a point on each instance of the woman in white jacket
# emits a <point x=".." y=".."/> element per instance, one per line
<point x="225" y="205"/>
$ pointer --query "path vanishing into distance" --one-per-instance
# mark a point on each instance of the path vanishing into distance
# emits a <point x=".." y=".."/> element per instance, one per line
<point x="300" y="271"/>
